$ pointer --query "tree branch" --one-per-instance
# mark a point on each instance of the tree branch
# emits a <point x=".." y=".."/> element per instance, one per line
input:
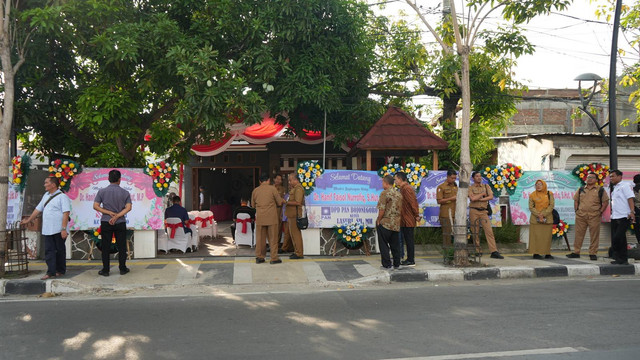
<point x="446" y="48"/>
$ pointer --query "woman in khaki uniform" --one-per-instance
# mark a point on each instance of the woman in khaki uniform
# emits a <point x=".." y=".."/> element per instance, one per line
<point x="293" y="210"/>
<point x="541" y="205"/>
<point x="479" y="196"/>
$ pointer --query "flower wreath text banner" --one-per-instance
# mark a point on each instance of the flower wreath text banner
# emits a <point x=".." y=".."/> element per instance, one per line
<point x="147" y="212"/>
<point x="345" y="196"/>
<point x="15" y="199"/>
<point x="562" y="183"/>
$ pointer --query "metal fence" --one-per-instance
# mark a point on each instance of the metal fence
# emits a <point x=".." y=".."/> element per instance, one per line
<point x="13" y="251"/>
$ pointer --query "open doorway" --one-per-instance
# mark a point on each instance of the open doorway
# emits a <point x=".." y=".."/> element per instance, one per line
<point x="223" y="190"/>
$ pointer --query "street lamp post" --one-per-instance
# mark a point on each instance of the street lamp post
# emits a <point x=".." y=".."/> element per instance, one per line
<point x="584" y="102"/>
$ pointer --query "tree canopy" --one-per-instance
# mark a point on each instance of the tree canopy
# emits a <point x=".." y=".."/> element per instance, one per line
<point x="107" y="73"/>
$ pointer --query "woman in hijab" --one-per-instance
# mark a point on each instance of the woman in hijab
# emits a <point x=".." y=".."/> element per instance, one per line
<point x="541" y="205"/>
<point x="636" y="203"/>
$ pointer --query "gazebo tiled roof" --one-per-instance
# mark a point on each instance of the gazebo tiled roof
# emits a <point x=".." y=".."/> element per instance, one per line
<point x="397" y="130"/>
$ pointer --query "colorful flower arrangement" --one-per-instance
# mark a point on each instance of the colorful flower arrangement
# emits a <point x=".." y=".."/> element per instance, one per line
<point x="502" y="177"/>
<point x="415" y="172"/>
<point x="308" y="171"/>
<point x="559" y="229"/>
<point x="601" y="171"/>
<point x="64" y="170"/>
<point x="20" y="170"/>
<point x="352" y="236"/>
<point x="163" y="175"/>
<point x="96" y="237"/>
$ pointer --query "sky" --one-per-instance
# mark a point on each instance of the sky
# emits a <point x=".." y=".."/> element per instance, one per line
<point x="567" y="44"/>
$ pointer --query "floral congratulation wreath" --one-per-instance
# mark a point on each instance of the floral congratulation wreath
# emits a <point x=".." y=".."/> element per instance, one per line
<point x="64" y="170"/>
<point x="352" y="236"/>
<point x="96" y="237"/>
<point x="20" y="170"/>
<point x="163" y="175"/>
<point x="502" y="177"/>
<point x="601" y="171"/>
<point x="560" y="229"/>
<point x="308" y="171"/>
<point x="415" y="172"/>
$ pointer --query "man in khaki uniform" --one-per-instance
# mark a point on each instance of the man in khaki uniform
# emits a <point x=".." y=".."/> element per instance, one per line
<point x="480" y="194"/>
<point x="293" y="210"/>
<point x="589" y="202"/>
<point x="277" y="182"/>
<point x="265" y="199"/>
<point x="446" y="194"/>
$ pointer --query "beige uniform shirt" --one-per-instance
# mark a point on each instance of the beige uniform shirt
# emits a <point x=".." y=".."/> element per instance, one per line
<point x="588" y="202"/>
<point x="444" y="191"/>
<point x="265" y="200"/>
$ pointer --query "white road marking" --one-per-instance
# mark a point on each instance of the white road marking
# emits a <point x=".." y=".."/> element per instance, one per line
<point x="497" y="354"/>
<point x="314" y="272"/>
<point x="242" y="273"/>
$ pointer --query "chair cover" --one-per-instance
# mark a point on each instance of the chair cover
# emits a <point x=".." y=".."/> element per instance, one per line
<point x="177" y="237"/>
<point x="244" y="233"/>
<point x="206" y="224"/>
<point x="195" y="237"/>
<point x="163" y="241"/>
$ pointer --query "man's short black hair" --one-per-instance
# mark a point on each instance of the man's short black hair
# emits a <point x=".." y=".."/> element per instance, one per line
<point x="451" y="172"/>
<point x="402" y="176"/>
<point x="617" y="172"/>
<point x="176" y="199"/>
<point x="54" y="180"/>
<point x="264" y="177"/>
<point x="114" y="176"/>
<point x="388" y="179"/>
<point x="474" y="173"/>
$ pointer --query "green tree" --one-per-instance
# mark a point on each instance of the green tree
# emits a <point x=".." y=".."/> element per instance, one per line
<point x="457" y="46"/>
<point x="15" y="37"/>
<point x="114" y="71"/>
<point x="630" y="26"/>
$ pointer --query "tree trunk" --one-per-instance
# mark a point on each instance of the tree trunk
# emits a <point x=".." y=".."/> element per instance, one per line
<point x="461" y="256"/>
<point x="6" y="119"/>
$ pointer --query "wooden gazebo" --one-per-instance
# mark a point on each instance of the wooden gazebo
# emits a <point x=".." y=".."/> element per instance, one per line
<point x="397" y="133"/>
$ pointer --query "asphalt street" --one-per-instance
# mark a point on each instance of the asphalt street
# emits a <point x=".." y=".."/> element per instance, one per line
<point x="524" y="319"/>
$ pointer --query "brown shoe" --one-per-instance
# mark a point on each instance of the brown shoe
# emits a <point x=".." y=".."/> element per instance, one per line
<point x="58" y="274"/>
<point x="47" y="277"/>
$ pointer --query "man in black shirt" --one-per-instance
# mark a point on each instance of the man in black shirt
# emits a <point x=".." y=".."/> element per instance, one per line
<point x="243" y="209"/>
<point x="177" y="211"/>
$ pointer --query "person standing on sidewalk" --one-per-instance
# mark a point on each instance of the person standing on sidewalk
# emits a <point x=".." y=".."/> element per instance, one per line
<point x="541" y="204"/>
<point x="114" y="203"/>
<point x="480" y="194"/>
<point x="293" y="210"/>
<point x="277" y="182"/>
<point x="446" y="194"/>
<point x="589" y="202"/>
<point x="388" y="223"/>
<point x="636" y="202"/>
<point x="622" y="213"/>
<point x="265" y="199"/>
<point x="55" y="208"/>
<point x="409" y="216"/>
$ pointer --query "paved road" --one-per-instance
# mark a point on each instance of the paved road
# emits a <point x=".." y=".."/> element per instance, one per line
<point x="524" y="319"/>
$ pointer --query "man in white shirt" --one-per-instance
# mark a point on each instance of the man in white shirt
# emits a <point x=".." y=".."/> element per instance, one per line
<point x="55" y="208"/>
<point x="622" y="215"/>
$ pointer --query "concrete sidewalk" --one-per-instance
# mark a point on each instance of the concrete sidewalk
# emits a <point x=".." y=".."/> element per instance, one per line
<point x="82" y="276"/>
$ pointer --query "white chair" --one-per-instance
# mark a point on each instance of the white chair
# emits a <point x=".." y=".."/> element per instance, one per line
<point x="195" y="238"/>
<point x="244" y="238"/>
<point x="206" y="224"/>
<point x="163" y="241"/>
<point x="177" y="238"/>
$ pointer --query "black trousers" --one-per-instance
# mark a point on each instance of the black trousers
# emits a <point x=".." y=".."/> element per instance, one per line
<point x="120" y="231"/>
<point x="388" y="240"/>
<point x="407" y="237"/>
<point x="55" y="254"/>
<point x="619" y="240"/>
<point x="637" y="225"/>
